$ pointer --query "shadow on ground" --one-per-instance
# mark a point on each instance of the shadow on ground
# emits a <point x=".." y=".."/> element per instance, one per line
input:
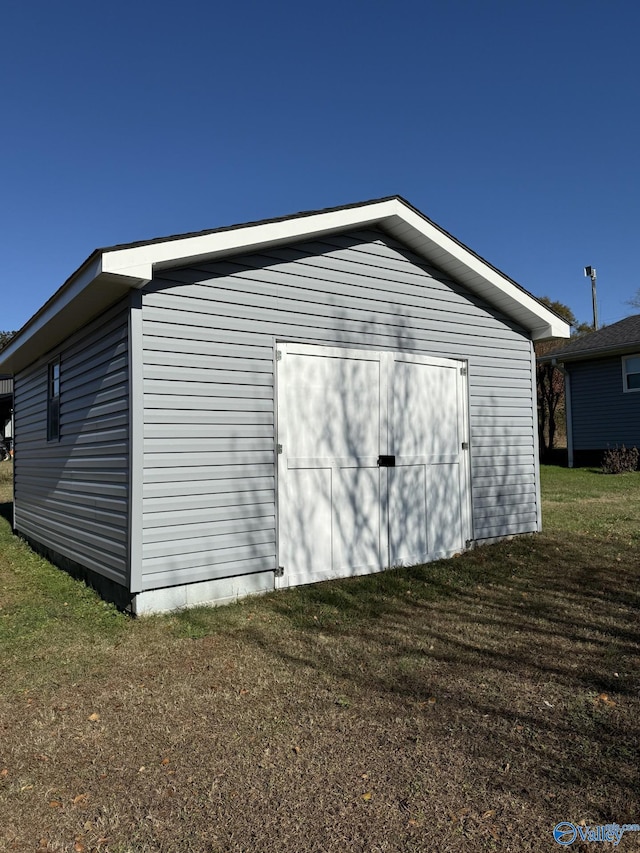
<point x="526" y="652"/>
<point x="6" y="511"/>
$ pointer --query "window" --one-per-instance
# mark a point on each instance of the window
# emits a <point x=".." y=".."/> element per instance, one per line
<point x="631" y="373"/>
<point x="53" y="402"/>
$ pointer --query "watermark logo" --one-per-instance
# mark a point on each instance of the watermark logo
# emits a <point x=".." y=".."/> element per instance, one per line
<point x="565" y="833"/>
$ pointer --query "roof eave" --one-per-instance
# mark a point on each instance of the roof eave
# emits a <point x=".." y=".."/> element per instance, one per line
<point x="141" y="260"/>
<point x="109" y="273"/>
<point x="83" y="296"/>
<point x="601" y="352"/>
<point x="393" y="215"/>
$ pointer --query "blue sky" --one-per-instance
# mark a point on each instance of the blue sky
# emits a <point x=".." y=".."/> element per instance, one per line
<point x="513" y="124"/>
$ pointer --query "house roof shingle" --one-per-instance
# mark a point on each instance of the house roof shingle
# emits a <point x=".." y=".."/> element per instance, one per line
<point x="618" y="337"/>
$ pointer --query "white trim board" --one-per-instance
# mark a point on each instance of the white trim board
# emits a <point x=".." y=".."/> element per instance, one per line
<point x="110" y="272"/>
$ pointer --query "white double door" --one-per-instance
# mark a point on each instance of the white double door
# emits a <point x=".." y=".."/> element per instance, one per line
<point x="372" y="466"/>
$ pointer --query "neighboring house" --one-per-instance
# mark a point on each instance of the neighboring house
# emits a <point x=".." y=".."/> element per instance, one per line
<point x="210" y="415"/>
<point x="602" y="390"/>
<point x="6" y="408"/>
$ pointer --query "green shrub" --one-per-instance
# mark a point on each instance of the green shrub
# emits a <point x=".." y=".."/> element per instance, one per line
<point x="617" y="460"/>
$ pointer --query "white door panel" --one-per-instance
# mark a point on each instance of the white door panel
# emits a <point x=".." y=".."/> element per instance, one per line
<point x="408" y="541"/>
<point x="424" y="408"/>
<point x="426" y="401"/>
<point x="339" y="410"/>
<point x="356" y="521"/>
<point x="445" y="530"/>
<point x="333" y="406"/>
<point x="329" y="405"/>
<point x="306" y="540"/>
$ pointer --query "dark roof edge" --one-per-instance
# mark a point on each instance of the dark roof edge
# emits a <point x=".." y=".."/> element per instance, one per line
<point x="584" y="355"/>
<point x="271" y="220"/>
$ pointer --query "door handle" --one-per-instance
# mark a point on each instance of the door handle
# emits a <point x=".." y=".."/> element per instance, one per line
<point x="386" y="461"/>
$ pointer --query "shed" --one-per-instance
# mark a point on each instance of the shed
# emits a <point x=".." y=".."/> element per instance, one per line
<point x="215" y="414"/>
<point x="602" y="390"/>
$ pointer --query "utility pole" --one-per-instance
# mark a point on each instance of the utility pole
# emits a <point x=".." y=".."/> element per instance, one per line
<point x="590" y="272"/>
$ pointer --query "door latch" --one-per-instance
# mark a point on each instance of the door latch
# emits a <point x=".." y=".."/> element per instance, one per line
<point x="386" y="461"/>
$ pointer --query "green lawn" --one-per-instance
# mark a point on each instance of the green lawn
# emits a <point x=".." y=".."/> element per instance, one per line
<point x="469" y="704"/>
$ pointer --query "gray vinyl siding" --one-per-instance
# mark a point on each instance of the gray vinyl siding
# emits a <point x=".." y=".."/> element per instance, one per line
<point x="602" y="414"/>
<point x="209" y="399"/>
<point x="71" y="494"/>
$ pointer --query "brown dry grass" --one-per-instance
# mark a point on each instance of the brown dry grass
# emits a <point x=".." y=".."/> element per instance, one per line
<point x="466" y="705"/>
